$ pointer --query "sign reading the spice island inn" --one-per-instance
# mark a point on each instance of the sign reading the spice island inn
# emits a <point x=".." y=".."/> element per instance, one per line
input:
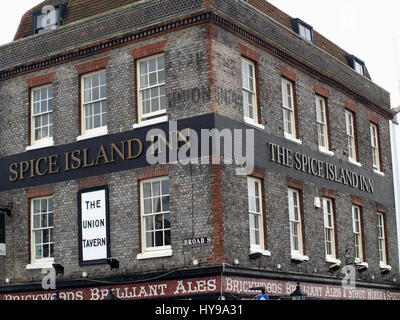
<point x="2" y="235"/>
<point x="93" y="226"/>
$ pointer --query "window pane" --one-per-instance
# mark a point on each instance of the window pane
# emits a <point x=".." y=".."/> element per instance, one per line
<point x="156" y="188"/>
<point x="167" y="237"/>
<point x="36" y="108"/>
<point x="95" y="81"/>
<point x="159" y="239"/>
<point x="158" y="222"/>
<point x="156" y="205"/>
<point x="160" y="62"/>
<point x="36" y="221"/>
<point x="152" y="65"/>
<point x="103" y="78"/>
<point x="87" y="83"/>
<point x="165" y="204"/>
<point x="149" y="240"/>
<point x="147" y="206"/>
<point x="43" y="220"/>
<point x="95" y="94"/>
<point x="38" y="236"/>
<point x="146" y="190"/>
<point x="143" y="67"/>
<point x="149" y="223"/>
<point x="167" y="221"/>
<point x="43" y="93"/>
<point x="165" y="187"/>
<point x="38" y="252"/>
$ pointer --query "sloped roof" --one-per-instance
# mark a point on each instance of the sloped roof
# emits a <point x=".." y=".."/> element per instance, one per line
<point x="77" y="10"/>
<point x="81" y="9"/>
<point x="319" y="40"/>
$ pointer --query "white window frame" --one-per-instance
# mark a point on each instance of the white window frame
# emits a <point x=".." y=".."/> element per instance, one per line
<point x="351" y="137"/>
<point x="151" y="116"/>
<point x="357" y="232"/>
<point x="305" y="33"/>
<point x="34" y="260"/>
<point x="329" y="229"/>
<point x="322" y="123"/>
<point x="374" y="133"/>
<point x="258" y="215"/>
<point x="94" y="132"/>
<point x="249" y="91"/>
<point x="381" y="238"/>
<point x="359" y="67"/>
<point x="156" y="251"/>
<point x="289" y="115"/>
<point x="296" y="224"/>
<point x="47" y="141"/>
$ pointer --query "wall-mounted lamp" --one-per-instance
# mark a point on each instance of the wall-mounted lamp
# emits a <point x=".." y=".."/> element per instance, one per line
<point x="317" y="202"/>
<point x="110" y="296"/>
<point x="84" y="274"/>
<point x="57" y="296"/>
<point x="255" y="256"/>
<point x="59" y="269"/>
<point x="195" y="262"/>
<point x="113" y="263"/>
<point x="7" y="280"/>
<point x="278" y="266"/>
<point x="298" y="294"/>
<point x="236" y="262"/>
<point x="6" y="208"/>
<point x="334" y="267"/>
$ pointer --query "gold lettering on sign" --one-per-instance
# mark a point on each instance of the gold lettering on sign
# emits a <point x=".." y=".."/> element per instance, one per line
<point x="76" y="159"/>
<point x="301" y="162"/>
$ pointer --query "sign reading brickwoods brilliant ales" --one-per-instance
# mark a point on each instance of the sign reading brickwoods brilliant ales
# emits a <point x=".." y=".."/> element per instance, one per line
<point x="93" y="226"/>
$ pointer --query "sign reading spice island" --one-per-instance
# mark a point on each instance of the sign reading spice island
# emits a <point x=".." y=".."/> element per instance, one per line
<point x="94" y="245"/>
<point x="319" y="168"/>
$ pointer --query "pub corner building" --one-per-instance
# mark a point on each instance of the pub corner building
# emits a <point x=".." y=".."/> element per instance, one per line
<point x="100" y="101"/>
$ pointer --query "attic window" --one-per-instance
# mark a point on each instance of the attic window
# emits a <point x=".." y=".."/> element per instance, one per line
<point x="303" y="29"/>
<point x="356" y="64"/>
<point x="48" y="18"/>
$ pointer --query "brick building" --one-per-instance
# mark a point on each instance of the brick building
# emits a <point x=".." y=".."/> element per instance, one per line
<point x="82" y="85"/>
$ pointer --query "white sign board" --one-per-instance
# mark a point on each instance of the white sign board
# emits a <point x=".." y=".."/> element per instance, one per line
<point x="93" y="226"/>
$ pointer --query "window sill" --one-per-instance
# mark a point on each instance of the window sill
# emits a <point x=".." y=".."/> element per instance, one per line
<point x="253" y="124"/>
<point x="290" y="138"/>
<point x="384" y="267"/>
<point x="298" y="257"/>
<point x="40" y="265"/>
<point x="151" y="122"/>
<point x="154" y="254"/>
<point x="354" y="162"/>
<point x="96" y="134"/>
<point x="326" y="151"/>
<point x="379" y="172"/>
<point x="360" y="264"/>
<point x="333" y="260"/>
<point x="266" y="253"/>
<point x="40" y="145"/>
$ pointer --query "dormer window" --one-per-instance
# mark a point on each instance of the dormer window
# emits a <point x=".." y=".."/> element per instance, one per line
<point x="303" y="29"/>
<point x="356" y="64"/>
<point x="48" y="18"/>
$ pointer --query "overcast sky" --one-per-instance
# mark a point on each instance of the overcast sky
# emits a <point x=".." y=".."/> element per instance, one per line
<point x="369" y="29"/>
